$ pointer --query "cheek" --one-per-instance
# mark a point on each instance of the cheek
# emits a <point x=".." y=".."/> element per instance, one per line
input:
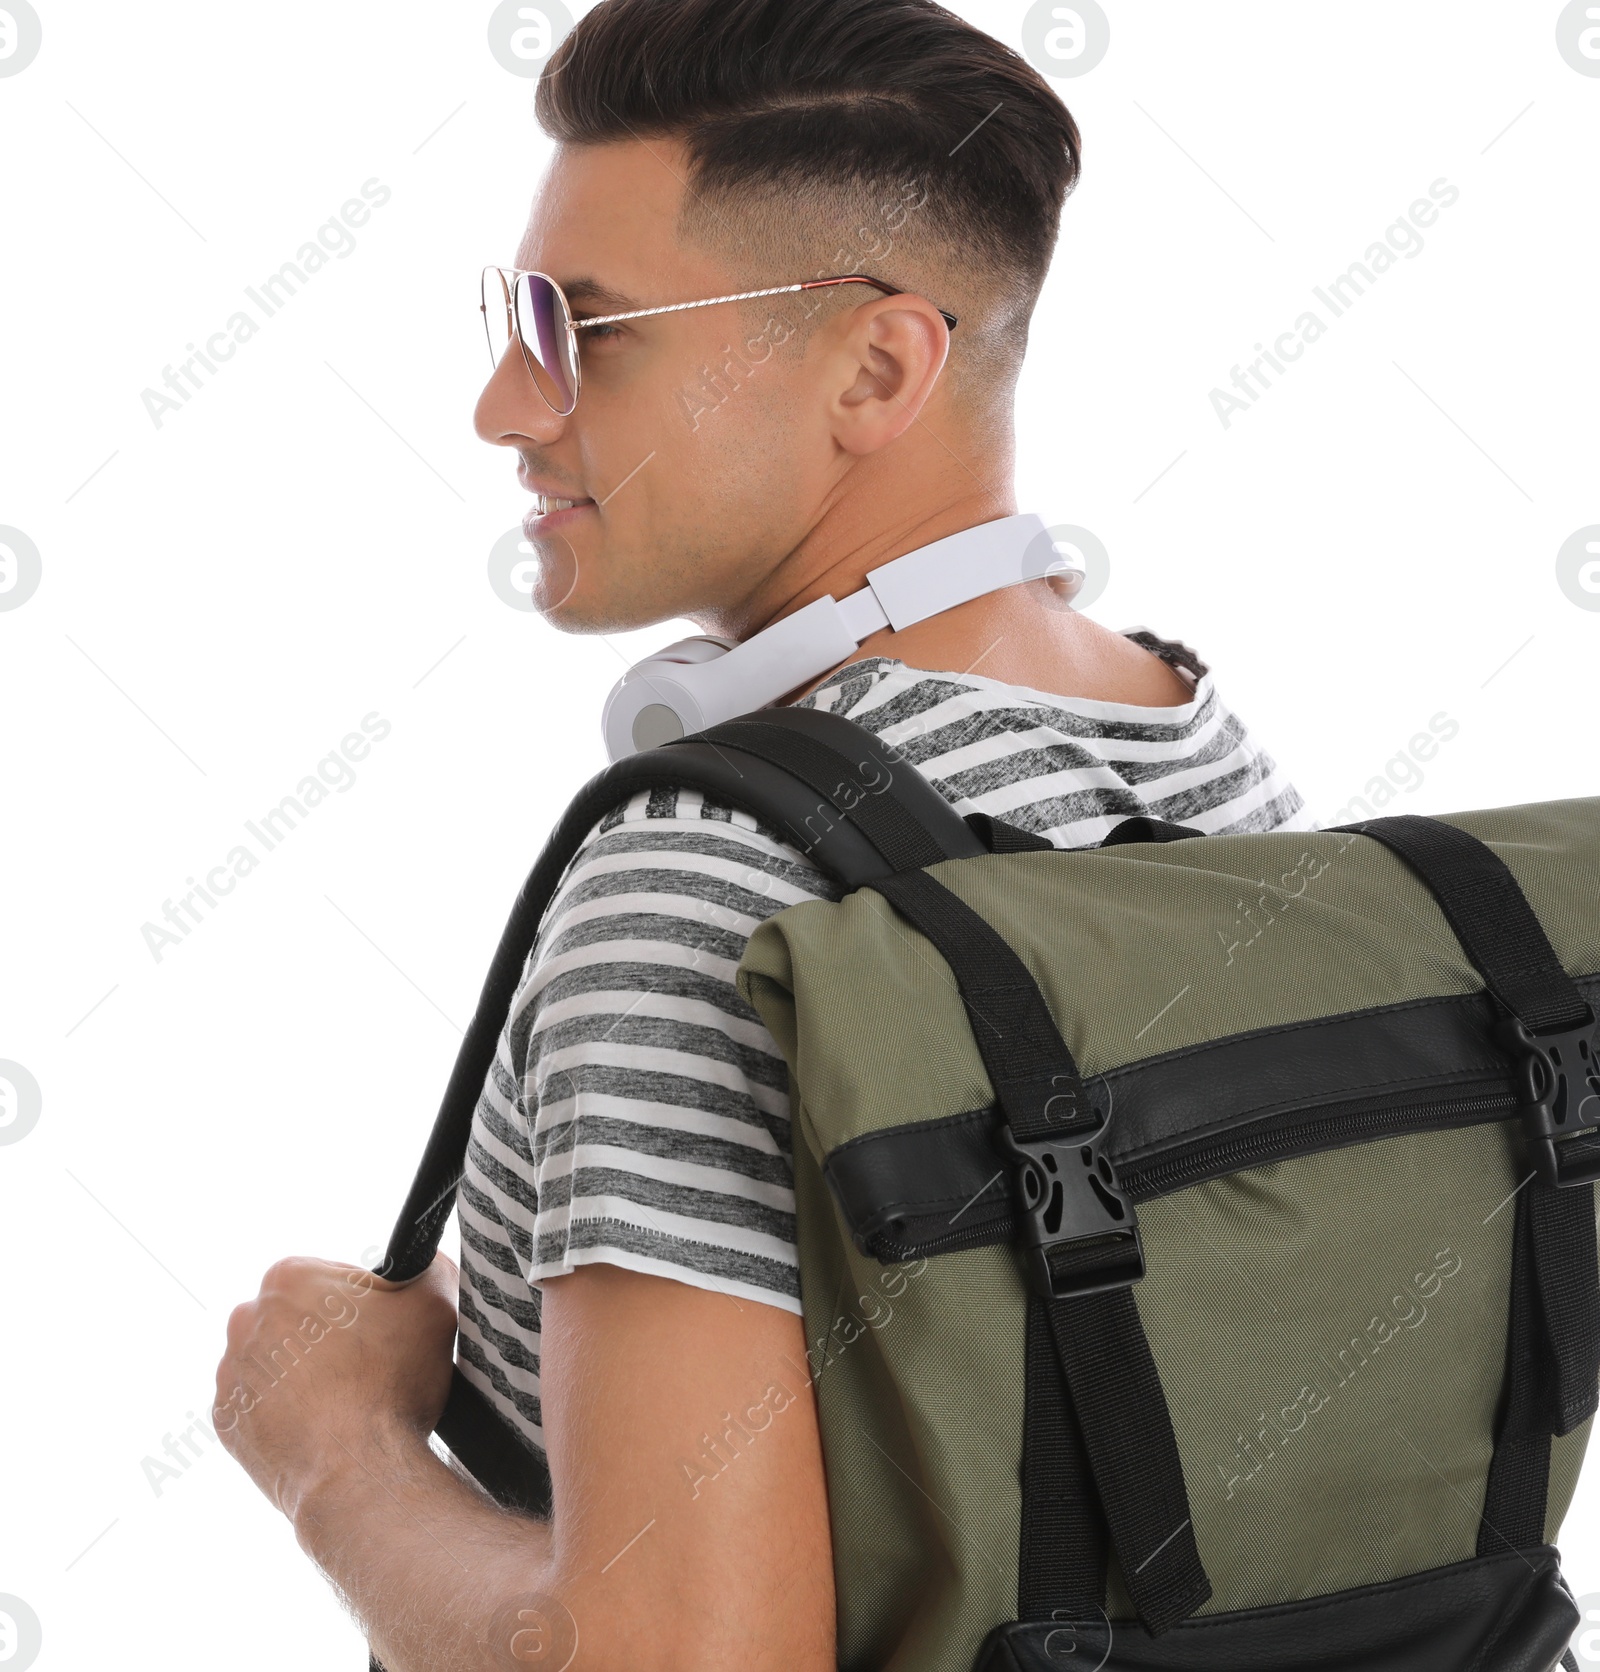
<point x="749" y="481"/>
<point x="744" y="481"/>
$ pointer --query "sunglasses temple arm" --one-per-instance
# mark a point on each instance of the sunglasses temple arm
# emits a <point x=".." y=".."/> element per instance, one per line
<point x="682" y="307"/>
<point x="877" y="284"/>
<point x="745" y="296"/>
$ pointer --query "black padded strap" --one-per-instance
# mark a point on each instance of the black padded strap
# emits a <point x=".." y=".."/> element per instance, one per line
<point x="867" y="834"/>
<point x="431" y="1200"/>
<point x="858" y="776"/>
<point x="1100" y="1343"/>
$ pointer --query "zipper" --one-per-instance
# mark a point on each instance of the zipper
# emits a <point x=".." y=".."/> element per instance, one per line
<point x="1296" y="1135"/>
<point x="892" y="1251"/>
<point x="1301" y="1133"/>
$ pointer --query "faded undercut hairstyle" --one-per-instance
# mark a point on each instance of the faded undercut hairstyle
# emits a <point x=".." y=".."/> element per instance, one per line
<point x="878" y="136"/>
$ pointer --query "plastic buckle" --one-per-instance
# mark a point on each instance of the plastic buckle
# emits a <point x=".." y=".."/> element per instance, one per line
<point x="1070" y="1193"/>
<point x="1558" y="1094"/>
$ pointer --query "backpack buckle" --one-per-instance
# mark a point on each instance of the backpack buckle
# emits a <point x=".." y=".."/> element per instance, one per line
<point x="1070" y="1194"/>
<point x="1558" y="1095"/>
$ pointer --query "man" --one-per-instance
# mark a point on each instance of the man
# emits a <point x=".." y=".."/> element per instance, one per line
<point x="629" y="1299"/>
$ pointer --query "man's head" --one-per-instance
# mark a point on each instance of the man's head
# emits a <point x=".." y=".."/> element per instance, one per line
<point x="710" y="147"/>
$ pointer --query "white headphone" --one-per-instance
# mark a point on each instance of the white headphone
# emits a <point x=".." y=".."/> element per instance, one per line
<point x="701" y="682"/>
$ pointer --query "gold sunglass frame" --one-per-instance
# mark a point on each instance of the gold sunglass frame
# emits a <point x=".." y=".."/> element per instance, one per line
<point x="510" y="278"/>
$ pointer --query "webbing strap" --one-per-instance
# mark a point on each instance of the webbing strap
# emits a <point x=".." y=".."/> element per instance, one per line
<point x="1143" y="827"/>
<point x="1553" y="1334"/>
<point x="1061" y="1561"/>
<point x="1568" y="1280"/>
<point x="1485" y="906"/>
<point x="999" y="837"/>
<point x="1516" y="1494"/>
<point x="1035" y="1078"/>
<point x="1133" y="1452"/>
<point x="1100" y="1343"/>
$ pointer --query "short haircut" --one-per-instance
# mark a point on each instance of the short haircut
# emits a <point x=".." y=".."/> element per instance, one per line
<point x="813" y="107"/>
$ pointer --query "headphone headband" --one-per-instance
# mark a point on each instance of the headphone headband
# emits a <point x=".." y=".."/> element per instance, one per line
<point x="700" y="682"/>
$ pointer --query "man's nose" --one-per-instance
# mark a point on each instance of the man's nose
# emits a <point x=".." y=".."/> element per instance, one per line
<point x="511" y="410"/>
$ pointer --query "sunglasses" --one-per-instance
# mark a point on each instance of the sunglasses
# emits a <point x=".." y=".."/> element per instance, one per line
<point x="532" y="309"/>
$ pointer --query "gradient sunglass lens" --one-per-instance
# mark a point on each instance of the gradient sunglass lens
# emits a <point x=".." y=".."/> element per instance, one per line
<point x="546" y="331"/>
<point x="526" y="308"/>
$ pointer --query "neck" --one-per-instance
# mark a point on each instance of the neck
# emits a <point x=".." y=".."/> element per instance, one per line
<point x="877" y="513"/>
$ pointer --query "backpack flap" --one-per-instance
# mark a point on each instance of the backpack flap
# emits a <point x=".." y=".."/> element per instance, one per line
<point x="1323" y="1122"/>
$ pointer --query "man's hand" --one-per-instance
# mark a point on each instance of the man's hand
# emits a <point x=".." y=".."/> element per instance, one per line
<point x="328" y="1362"/>
<point x="684" y="1456"/>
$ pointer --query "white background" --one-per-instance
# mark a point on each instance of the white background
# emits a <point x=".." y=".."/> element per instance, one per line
<point x="225" y="596"/>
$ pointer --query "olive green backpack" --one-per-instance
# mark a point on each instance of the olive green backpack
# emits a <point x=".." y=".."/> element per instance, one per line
<point x="1197" y="1234"/>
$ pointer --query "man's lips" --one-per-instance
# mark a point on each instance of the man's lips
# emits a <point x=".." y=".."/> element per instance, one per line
<point x="546" y="503"/>
<point x="550" y="513"/>
<point x="553" y="502"/>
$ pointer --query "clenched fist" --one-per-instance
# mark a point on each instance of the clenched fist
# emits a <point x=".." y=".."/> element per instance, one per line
<point x="327" y="1362"/>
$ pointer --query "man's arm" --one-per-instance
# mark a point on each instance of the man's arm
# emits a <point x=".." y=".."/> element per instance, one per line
<point x="690" y="1525"/>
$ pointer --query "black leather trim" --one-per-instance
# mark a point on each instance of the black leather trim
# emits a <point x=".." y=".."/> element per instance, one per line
<point x="1424" y="1047"/>
<point x="923" y="1180"/>
<point x="1510" y="1613"/>
<point x="946" y="1179"/>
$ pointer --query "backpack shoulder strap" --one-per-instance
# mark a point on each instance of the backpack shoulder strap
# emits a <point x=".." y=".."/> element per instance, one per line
<point x="816" y="769"/>
<point x="852" y="803"/>
<point x="856" y="807"/>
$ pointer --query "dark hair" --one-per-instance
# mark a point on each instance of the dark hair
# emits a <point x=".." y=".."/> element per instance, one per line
<point x="802" y="95"/>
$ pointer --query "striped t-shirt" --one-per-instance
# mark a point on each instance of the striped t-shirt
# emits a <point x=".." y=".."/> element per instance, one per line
<point x="638" y="1110"/>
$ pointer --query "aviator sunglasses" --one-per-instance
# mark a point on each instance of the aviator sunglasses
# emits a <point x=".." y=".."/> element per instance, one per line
<point x="532" y="309"/>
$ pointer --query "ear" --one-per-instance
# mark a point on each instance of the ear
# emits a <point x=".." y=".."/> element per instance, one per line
<point x="891" y="358"/>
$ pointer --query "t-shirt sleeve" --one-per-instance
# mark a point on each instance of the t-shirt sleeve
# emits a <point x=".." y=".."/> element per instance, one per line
<point x="639" y="1109"/>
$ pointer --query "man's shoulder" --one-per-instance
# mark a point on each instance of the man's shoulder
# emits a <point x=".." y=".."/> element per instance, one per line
<point x="682" y="840"/>
<point x="681" y="818"/>
<point x="974" y="738"/>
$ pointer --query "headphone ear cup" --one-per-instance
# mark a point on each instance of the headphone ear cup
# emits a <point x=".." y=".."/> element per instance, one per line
<point x="653" y="703"/>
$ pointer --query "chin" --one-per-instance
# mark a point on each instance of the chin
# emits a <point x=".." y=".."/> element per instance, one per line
<point x="571" y="615"/>
<point x="579" y="613"/>
<point x="557" y="585"/>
